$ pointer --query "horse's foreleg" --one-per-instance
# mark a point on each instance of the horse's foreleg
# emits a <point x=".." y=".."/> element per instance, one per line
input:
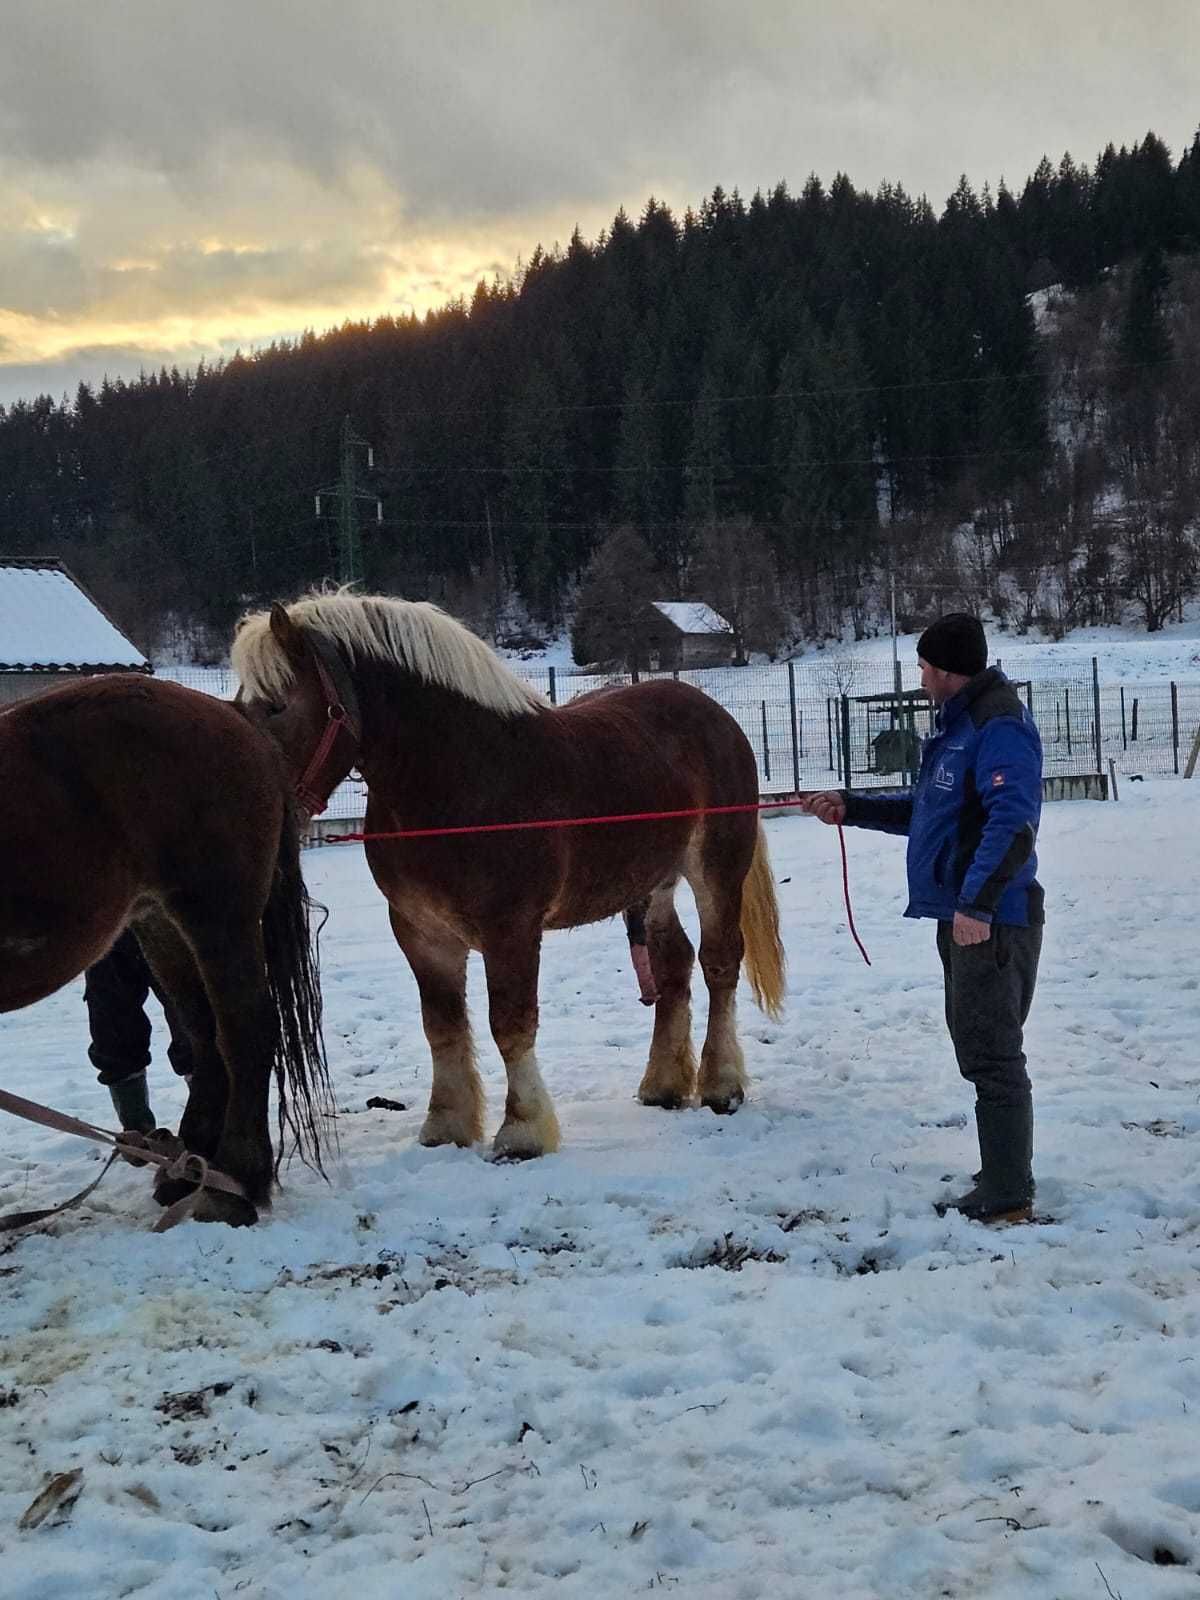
<point x="530" y="1127"/>
<point x="722" y="1081"/>
<point x="670" y="1077"/>
<point x="439" y="964"/>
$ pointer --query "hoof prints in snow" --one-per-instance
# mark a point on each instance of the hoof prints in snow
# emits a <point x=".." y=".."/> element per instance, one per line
<point x="1150" y="1541"/>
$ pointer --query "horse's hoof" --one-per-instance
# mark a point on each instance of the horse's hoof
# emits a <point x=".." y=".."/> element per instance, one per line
<point x="668" y="1100"/>
<point x="168" y="1190"/>
<point x="216" y="1206"/>
<point x="724" y="1105"/>
<point x="440" y="1130"/>
<point x="524" y="1141"/>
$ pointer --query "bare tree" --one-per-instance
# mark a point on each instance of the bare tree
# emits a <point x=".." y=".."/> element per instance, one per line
<point x="1160" y="561"/>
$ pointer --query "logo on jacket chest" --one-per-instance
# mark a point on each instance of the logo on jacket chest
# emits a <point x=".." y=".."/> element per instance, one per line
<point x="944" y="774"/>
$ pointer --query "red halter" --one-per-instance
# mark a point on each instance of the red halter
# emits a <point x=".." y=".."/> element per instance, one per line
<point x="323" y="774"/>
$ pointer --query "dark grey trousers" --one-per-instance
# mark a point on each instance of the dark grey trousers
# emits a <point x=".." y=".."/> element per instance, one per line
<point x="989" y="989"/>
<point x="115" y="990"/>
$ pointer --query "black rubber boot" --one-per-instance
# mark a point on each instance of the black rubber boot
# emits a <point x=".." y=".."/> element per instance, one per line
<point x="1004" y="1189"/>
<point x="131" y="1102"/>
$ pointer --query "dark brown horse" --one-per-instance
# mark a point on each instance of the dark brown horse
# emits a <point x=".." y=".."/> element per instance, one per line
<point x="446" y="736"/>
<point x="128" y="801"/>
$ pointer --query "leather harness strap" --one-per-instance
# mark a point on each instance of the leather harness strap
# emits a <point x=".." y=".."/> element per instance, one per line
<point x="343" y="720"/>
<point x="190" y="1168"/>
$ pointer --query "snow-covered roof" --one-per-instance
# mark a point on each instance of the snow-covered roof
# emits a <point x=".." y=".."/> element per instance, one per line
<point x="692" y="616"/>
<point x="48" y="623"/>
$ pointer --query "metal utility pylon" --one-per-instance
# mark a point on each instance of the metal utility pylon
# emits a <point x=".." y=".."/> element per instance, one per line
<point x="347" y="494"/>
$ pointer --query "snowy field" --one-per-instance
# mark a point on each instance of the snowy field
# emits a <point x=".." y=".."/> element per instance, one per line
<point x="724" y="1357"/>
<point x="1123" y="654"/>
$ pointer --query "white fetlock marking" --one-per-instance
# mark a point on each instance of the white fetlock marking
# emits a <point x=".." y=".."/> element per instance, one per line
<point x="722" y="1066"/>
<point x="534" y="1130"/>
<point x="458" y="1115"/>
<point x="670" y="1071"/>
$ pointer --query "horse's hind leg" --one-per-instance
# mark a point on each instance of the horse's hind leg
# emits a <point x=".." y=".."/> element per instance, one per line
<point x="530" y="1127"/>
<point x="231" y="963"/>
<point x="670" y="1077"/>
<point x="179" y="982"/>
<point x="722" y="1082"/>
<point x="439" y="964"/>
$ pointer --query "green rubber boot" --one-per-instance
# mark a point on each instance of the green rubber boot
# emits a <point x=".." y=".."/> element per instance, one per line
<point x="131" y="1102"/>
<point x="1003" y="1191"/>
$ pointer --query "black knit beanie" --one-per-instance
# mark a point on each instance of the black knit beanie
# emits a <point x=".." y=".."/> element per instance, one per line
<point x="955" y="643"/>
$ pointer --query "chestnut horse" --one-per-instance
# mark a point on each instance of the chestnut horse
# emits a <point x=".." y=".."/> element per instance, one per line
<point x="130" y="801"/>
<point x="446" y="736"/>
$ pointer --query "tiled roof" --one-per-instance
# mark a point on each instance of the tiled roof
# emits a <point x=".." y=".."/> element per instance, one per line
<point x="48" y="623"/>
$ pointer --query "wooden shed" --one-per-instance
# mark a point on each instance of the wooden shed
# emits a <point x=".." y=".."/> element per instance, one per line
<point x="686" y="633"/>
<point x="51" y="630"/>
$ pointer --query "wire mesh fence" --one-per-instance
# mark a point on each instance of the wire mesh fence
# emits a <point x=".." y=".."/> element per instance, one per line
<point x="843" y="723"/>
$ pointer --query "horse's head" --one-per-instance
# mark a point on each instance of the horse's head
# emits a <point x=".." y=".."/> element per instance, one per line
<point x="295" y="684"/>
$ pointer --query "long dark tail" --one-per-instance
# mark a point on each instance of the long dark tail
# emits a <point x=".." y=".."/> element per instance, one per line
<point x="306" y="1107"/>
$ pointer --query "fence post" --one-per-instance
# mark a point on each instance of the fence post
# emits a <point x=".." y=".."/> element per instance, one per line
<point x="553" y="688"/>
<point x="847" y="771"/>
<point x="1124" y="740"/>
<point x="1175" y="724"/>
<point x="1067" y="714"/>
<point x="829" y="731"/>
<point x="1096" y="705"/>
<point x="766" y="743"/>
<point x="791" y="666"/>
<point x="1133" y="734"/>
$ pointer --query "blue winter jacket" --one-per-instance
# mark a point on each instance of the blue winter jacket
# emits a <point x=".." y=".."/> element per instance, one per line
<point x="972" y="815"/>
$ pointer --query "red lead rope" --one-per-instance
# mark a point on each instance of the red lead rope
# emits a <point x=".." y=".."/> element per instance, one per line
<point x="846" y="895"/>
<point x="589" y="822"/>
<point x="560" y="822"/>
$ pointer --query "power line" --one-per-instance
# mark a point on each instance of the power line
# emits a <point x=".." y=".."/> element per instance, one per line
<point x="512" y="469"/>
<point x="1029" y="375"/>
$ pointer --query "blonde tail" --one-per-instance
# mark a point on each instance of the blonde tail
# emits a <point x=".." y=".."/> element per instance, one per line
<point x="764" y="957"/>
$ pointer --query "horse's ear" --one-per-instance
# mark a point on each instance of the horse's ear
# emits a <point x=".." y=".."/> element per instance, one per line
<point x="286" y="634"/>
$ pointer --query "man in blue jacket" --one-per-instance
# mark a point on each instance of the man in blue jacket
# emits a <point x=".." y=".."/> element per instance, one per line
<point x="971" y="820"/>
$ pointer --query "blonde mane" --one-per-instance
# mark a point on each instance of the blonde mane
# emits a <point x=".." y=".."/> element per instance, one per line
<point x="411" y="634"/>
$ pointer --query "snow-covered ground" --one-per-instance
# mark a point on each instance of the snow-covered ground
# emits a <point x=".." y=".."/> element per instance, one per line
<point x="727" y="1357"/>
<point x="1124" y="654"/>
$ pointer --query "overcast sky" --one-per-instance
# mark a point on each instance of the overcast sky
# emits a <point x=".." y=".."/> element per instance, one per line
<point x="179" y="178"/>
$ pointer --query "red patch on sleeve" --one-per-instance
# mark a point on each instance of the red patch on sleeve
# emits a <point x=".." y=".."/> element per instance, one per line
<point x="997" y="780"/>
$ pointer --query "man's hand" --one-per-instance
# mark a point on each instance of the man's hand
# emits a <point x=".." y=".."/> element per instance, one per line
<point x="829" y="805"/>
<point x="969" y="930"/>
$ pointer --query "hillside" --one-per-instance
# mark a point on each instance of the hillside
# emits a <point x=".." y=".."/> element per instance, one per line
<point x="831" y="384"/>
